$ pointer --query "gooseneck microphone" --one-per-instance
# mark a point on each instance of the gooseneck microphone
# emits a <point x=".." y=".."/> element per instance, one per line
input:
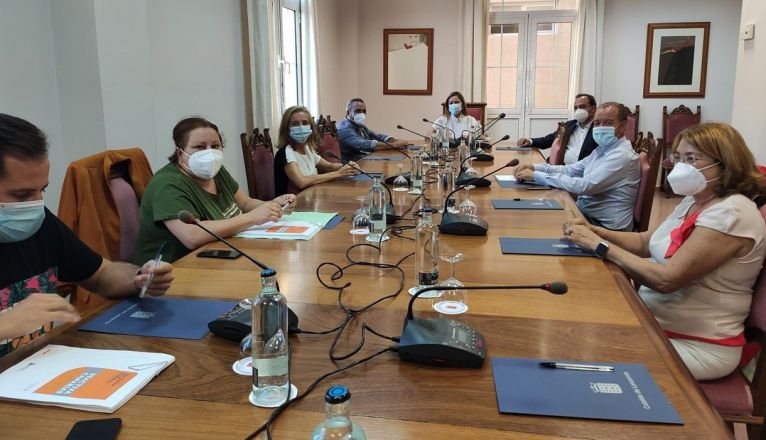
<point x="189" y="219"/>
<point x="445" y="342"/>
<point x="492" y="122"/>
<point x="408" y="175"/>
<point x="391" y="216"/>
<point x="454" y="136"/>
<point x="486" y="157"/>
<point x="413" y="132"/>
<point x="462" y="224"/>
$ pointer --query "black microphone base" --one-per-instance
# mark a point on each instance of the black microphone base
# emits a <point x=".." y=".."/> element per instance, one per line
<point x="425" y="341"/>
<point x="484" y="157"/>
<point x="390" y="180"/>
<point x="391" y="216"/>
<point x="237" y="323"/>
<point x="468" y="180"/>
<point x="460" y="224"/>
<point x="484" y="145"/>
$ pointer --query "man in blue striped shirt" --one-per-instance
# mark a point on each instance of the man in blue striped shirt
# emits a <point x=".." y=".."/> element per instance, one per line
<point x="606" y="182"/>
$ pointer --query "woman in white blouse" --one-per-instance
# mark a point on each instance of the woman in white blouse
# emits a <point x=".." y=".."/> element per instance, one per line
<point x="698" y="268"/>
<point x="297" y="165"/>
<point x="456" y="118"/>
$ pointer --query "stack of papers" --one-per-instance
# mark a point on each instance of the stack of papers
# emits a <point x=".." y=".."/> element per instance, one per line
<point x="81" y="378"/>
<point x="509" y="181"/>
<point x="282" y="230"/>
<point x="320" y="219"/>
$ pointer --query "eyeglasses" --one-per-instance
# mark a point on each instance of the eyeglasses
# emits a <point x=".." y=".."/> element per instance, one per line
<point x="688" y="159"/>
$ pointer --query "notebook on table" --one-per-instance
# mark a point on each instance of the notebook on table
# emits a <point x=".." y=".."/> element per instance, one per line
<point x="363" y="177"/>
<point x="508" y="181"/>
<point x="544" y="204"/>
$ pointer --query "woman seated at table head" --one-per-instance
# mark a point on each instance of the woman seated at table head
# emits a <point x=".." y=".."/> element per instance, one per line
<point x="297" y="165"/>
<point x="703" y="260"/>
<point x="195" y="180"/>
<point x="456" y="117"/>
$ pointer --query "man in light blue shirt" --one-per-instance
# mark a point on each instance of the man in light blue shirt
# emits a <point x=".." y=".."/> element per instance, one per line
<point x="606" y="182"/>
<point x="355" y="139"/>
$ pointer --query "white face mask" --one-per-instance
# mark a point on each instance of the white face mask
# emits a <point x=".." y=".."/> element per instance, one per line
<point x="205" y="163"/>
<point x="360" y="118"/>
<point x="20" y="220"/>
<point x="687" y="180"/>
<point x="581" y="115"/>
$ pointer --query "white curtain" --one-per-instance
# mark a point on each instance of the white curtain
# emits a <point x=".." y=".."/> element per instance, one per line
<point x="473" y="24"/>
<point x="310" y="56"/>
<point x="263" y="62"/>
<point x="589" y="48"/>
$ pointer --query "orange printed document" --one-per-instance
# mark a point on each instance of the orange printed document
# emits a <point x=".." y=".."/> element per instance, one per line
<point x="282" y="230"/>
<point x="81" y="378"/>
<point x="287" y="229"/>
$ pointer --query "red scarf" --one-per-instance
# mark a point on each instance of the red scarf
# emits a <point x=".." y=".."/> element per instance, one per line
<point x="679" y="235"/>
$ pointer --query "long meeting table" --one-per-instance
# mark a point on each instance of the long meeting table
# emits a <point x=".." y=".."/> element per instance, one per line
<point x="600" y="319"/>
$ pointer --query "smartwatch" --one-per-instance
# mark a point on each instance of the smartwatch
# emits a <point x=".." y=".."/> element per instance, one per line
<point x="601" y="249"/>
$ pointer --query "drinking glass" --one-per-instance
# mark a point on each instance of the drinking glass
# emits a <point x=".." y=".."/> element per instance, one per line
<point x="469" y="170"/>
<point x="400" y="183"/>
<point x="467" y="207"/>
<point x="360" y="225"/>
<point x="451" y="302"/>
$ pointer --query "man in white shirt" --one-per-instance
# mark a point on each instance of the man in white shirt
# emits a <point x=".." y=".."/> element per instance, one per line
<point x="606" y="182"/>
<point x="577" y="137"/>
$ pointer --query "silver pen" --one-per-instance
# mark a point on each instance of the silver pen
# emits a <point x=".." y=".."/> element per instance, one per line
<point x="581" y="367"/>
<point x="150" y="276"/>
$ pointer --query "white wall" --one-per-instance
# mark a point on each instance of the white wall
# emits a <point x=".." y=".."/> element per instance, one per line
<point x="749" y="92"/>
<point x="28" y="87"/>
<point x="359" y="67"/>
<point x="625" y="47"/>
<point x="97" y="74"/>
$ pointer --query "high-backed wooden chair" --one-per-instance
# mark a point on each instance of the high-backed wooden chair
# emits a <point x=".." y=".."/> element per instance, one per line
<point x="674" y="123"/>
<point x="258" y="155"/>
<point x="557" y="150"/>
<point x="328" y="138"/>
<point x="737" y="399"/>
<point x="631" y="126"/>
<point x="476" y="109"/>
<point x="649" y="153"/>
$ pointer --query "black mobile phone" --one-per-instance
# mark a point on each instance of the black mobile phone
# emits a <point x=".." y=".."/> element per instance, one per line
<point x="219" y="253"/>
<point x="100" y="429"/>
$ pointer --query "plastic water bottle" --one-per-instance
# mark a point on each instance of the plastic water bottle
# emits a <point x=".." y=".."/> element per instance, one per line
<point x="427" y="249"/>
<point x="270" y="345"/>
<point x="416" y="173"/>
<point x="377" y="211"/>
<point x="338" y="425"/>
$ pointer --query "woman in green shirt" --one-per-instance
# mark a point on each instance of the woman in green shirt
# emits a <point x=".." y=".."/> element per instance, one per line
<point x="196" y="181"/>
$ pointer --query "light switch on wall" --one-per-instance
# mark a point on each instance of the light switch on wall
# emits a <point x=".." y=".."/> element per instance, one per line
<point x="748" y="32"/>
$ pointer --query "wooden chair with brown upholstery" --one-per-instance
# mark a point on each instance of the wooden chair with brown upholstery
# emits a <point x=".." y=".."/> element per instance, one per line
<point x="258" y="154"/>
<point x="476" y="109"/>
<point x="735" y="397"/>
<point x="649" y="153"/>
<point x="328" y="138"/>
<point x="557" y="151"/>
<point x="631" y="126"/>
<point x="674" y="123"/>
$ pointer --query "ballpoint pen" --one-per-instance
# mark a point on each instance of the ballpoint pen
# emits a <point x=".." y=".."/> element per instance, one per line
<point x="581" y="367"/>
<point x="150" y="276"/>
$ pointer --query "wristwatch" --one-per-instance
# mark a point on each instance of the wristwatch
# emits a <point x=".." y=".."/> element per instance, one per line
<point x="601" y="249"/>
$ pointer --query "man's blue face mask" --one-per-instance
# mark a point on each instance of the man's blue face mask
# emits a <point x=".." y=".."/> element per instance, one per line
<point x="19" y="221"/>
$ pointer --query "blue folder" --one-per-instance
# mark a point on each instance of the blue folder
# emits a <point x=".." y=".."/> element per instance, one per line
<point x="628" y="393"/>
<point x="382" y="158"/>
<point x="519" y="185"/>
<point x="527" y="204"/>
<point x="334" y="222"/>
<point x="362" y="177"/>
<point x="542" y="246"/>
<point x="510" y="148"/>
<point x="160" y="317"/>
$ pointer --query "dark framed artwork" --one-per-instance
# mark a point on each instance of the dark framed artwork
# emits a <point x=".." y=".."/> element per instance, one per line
<point x="408" y="61"/>
<point x="676" y="60"/>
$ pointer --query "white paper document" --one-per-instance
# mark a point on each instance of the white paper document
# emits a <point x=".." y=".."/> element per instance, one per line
<point x="282" y="230"/>
<point x="81" y="378"/>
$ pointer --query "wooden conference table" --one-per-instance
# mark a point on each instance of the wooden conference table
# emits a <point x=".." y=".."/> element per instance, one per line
<point x="600" y="319"/>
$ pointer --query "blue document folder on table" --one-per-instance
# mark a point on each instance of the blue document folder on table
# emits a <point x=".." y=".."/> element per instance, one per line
<point x="160" y="317"/>
<point x="510" y="182"/>
<point x="628" y="393"/>
<point x="362" y="177"/>
<point x="334" y="222"/>
<point x="512" y="148"/>
<point x="526" y="204"/>
<point x="542" y="246"/>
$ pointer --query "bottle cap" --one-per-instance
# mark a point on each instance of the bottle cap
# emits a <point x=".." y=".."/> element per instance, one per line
<point x="337" y="394"/>
<point x="265" y="273"/>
